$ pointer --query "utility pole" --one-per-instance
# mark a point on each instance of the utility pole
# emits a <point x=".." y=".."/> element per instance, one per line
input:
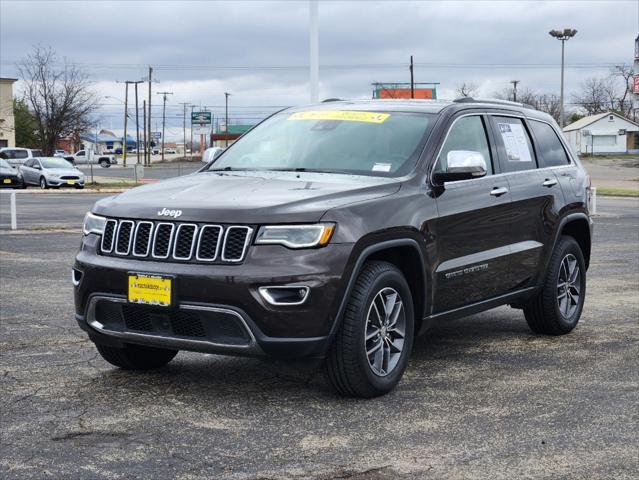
<point x="564" y="35"/>
<point x="149" y="145"/>
<point x="126" y="114"/>
<point x="144" y="121"/>
<point x="137" y="118"/>
<point x="184" y="104"/>
<point x="191" y="133"/>
<point x="164" y="94"/>
<point x="514" y="82"/>
<point x="226" y="117"/>
<point x="412" y="79"/>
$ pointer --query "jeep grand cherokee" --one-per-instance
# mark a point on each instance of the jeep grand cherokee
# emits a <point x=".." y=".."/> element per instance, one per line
<point x="339" y="232"/>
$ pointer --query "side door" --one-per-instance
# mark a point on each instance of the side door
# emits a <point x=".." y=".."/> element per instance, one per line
<point x="27" y="170"/>
<point x="536" y="198"/>
<point x="472" y="231"/>
<point x="81" y="157"/>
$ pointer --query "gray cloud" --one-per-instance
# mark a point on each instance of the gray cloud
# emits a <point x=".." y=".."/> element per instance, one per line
<point x="189" y="42"/>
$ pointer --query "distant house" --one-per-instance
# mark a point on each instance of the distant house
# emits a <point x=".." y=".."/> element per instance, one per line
<point x="604" y="133"/>
<point x="105" y="140"/>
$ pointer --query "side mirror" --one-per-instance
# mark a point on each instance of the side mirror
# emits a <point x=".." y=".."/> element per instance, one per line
<point x="462" y="165"/>
<point x="211" y="154"/>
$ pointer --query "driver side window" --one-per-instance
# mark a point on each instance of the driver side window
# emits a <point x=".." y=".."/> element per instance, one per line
<point x="469" y="134"/>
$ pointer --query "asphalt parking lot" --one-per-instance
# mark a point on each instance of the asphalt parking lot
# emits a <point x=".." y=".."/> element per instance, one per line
<point x="483" y="397"/>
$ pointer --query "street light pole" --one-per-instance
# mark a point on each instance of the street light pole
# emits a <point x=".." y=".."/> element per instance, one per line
<point x="164" y="94"/>
<point x="226" y="119"/>
<point x="564" y="35"/>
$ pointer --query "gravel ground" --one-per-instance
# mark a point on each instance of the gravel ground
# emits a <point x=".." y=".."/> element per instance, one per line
<point x="482" y="398"/>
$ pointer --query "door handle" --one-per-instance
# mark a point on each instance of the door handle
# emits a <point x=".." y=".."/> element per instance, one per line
<point x="549" y="182"/>
<point x="498" y="191"/>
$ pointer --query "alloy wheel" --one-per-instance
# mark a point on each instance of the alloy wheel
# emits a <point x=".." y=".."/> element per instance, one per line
<point x="568" y="286"/>
<point x="385" y="331"/>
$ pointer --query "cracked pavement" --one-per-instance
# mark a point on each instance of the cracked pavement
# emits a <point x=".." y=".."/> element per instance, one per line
<point x="483" y="397"/>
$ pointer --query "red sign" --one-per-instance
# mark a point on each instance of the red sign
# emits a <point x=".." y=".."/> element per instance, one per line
<point x="421" y="93"/>
<point x="635" y="89"/>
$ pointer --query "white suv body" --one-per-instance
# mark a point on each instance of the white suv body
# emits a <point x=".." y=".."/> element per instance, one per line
<point x="16" y="156"/>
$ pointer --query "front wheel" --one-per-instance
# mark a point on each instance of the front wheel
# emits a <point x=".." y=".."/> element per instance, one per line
<point x="43" y="183"/>
<point x="557" y="307"/>
<point x="136" y="357"/>
<point x="371" y="349"/>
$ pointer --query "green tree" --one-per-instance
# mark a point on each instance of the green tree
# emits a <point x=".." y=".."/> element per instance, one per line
<point x="25" y="125"/>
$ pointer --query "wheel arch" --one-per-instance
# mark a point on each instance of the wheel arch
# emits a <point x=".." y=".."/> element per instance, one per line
<point x="578" y="226"/>
<point x="407" y="256"/>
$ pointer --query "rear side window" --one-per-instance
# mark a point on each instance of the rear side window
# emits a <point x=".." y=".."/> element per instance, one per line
<point x="29" y="163"/>
<point x="513" y="141"/>
<point x="467" y="133"/>
<point x="19" y="154"/>
<point x="551" y="151"/>
<point x="37" y="153"/>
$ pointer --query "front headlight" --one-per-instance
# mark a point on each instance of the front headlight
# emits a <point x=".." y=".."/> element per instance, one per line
<point x="93" y="224"/>
<point x="52" y="175"/>
<point x="296" y="236"/>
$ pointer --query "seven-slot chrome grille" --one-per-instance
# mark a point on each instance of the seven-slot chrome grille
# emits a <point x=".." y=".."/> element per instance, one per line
<point x="174" y="241"/>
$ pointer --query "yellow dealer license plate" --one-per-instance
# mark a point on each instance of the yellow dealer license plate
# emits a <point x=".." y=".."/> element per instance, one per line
<point x="6" y="180"/>
<point x="70" y="182"/>
<point x="150" y="289"/>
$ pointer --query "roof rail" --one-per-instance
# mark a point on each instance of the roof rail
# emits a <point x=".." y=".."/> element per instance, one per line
<point x="494" y="101"/>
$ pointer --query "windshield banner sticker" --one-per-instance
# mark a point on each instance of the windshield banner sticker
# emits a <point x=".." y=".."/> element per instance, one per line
<point x="345" y="115"/>
<point x="515" y="142"/>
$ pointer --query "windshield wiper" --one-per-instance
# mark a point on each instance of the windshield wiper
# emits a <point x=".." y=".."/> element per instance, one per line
<point x="225" y="169"/>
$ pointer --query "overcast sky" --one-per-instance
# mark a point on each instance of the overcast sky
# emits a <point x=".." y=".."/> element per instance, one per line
<point x="258" y="50"/>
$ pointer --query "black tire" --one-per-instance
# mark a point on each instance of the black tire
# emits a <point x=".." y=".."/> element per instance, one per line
<point x="347" y="364"/>
<point x="105" y="163"/>
<point x="136" y="357"/>
<point x="43" y="183"/>
<point x="549" y="314"/>
<point x="79" y="187"/>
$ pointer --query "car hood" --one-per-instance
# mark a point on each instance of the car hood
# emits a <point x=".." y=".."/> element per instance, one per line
<point x="246" y="197"/>
<point x="8" y="171"/>
<point x="63" y="171"/>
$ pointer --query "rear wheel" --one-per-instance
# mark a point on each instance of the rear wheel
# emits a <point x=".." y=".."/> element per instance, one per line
<point x="557" y="307"/>
<point x="105" y="163"/>
<point x="136" y="357"/>
<point x="372" y="346"/>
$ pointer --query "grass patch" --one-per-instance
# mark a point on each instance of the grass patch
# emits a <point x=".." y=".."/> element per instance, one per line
<point x="618" y="192"/>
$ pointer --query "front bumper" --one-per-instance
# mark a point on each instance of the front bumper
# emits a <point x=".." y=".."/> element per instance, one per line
<point x="58" y="182"/>
<point x="11" y="181"/>
<point x="219" y="293"/>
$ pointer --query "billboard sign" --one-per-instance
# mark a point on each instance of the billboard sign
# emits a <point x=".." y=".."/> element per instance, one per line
<point x="404" y="93"/>
<point x="156" y="135"/>
<point x="635" y="88"/>
<point x="201" y="123"/>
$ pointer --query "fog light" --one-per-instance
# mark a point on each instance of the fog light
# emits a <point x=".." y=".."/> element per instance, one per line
<point x="76" y="276"/>
<point x="286" y="295"/>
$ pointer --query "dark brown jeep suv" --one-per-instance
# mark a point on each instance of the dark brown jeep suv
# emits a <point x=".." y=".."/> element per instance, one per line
<point x="339" y="232"/>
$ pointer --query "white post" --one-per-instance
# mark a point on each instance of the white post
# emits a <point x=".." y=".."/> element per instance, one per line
<point x="314" y="50"/>
<point x="14" y="222"/>
<point x="593" y="200"/>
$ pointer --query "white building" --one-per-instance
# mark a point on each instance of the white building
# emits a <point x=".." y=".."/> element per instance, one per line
<point x="604" y="133"/>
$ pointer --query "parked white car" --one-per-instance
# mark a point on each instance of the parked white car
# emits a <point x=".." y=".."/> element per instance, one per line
<point x="83" y="156"/>
<point x="16" y="156"/>
<point x="170" y="150"/>
<point x="50" y="172"/>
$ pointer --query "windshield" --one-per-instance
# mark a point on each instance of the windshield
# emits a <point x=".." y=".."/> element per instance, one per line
<point x="54" y="163"/>
<point x="368" y="143"/>
<point x="4" y="163"/>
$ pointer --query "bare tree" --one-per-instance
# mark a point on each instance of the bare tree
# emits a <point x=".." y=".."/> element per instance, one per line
<point x="545" y="102"/>
<point x="467" y="89"/>
<point x="61" y="100"/>
<point x="622" y="77"/>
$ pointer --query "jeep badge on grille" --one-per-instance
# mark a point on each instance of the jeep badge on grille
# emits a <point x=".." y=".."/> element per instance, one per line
<point x="165" y="212"/>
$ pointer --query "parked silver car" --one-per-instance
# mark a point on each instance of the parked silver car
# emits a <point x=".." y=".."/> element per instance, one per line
<point x="51" y="172"/>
